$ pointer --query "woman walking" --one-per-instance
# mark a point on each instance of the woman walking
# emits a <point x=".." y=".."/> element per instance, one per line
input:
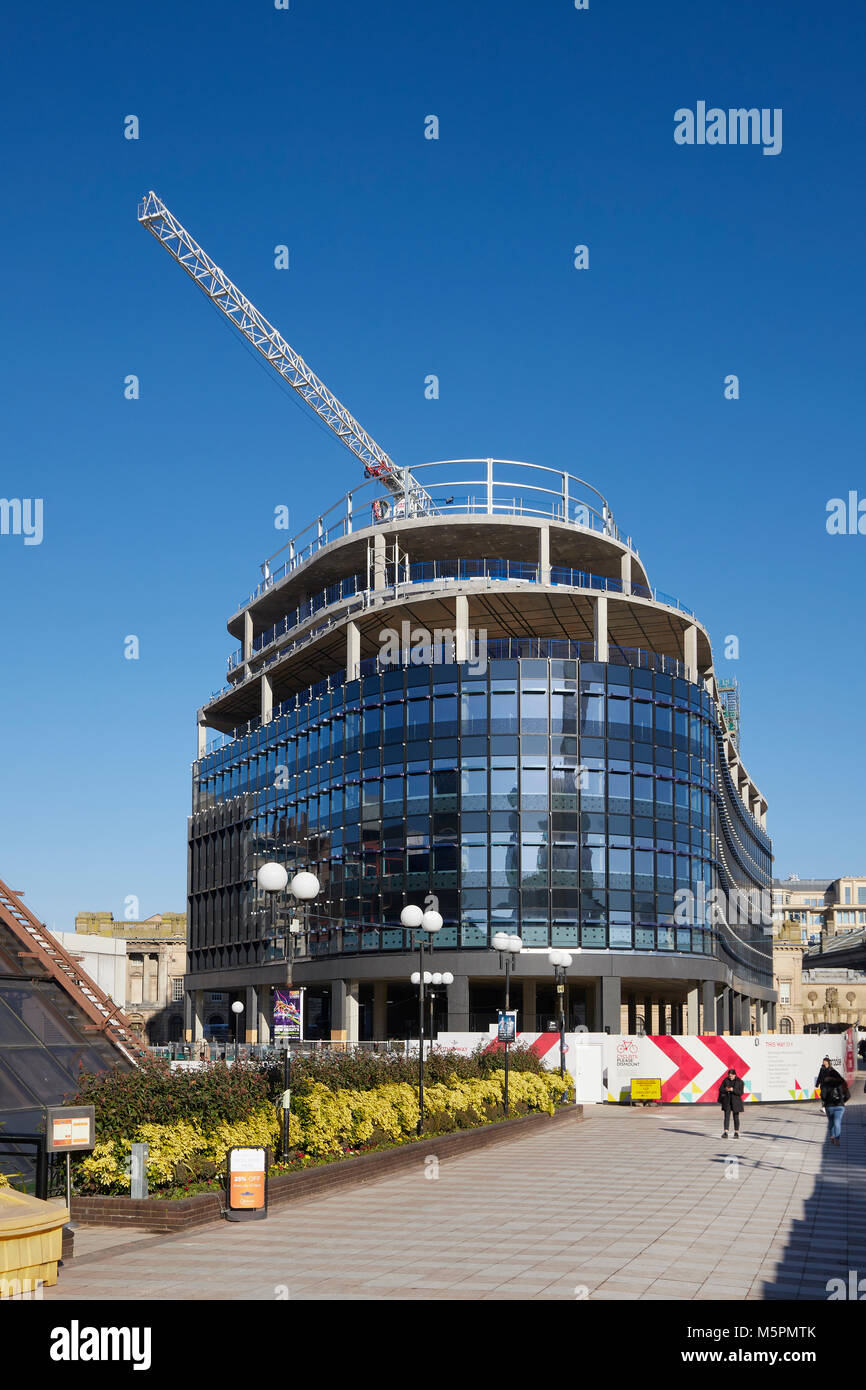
<point x="834" y="1096"/>
<point x="731" y="1100"/>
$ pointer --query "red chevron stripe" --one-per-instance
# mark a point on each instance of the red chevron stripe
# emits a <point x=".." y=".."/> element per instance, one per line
<point x="687" y="1067"/>
<point x="719" y="1048"/>
<point x="542" y="1045"/>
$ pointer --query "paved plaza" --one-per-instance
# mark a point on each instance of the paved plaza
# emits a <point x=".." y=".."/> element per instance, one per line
<point x="628" y="1204"/>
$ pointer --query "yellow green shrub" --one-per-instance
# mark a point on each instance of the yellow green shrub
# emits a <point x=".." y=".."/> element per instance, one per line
<point x="322" y="1122"/>
<point x="334" y="1120"/>
<point x="169" y="1145"/>
<point x="183" y="1142"/>
<point x="105" y="1166"/>
<point x="260" y="1131"/>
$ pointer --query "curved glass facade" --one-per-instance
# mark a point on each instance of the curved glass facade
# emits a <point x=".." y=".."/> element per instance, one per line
<point x="572" y="802"/>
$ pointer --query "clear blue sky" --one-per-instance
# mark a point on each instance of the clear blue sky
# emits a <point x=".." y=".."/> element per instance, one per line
<point x="408" y="256"/>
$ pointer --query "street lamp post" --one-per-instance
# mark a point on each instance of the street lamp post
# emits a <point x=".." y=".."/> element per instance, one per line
<point x="508" y="947"/>
<point x="435" y="980"/>
<point x="237" y="1010"/>
<point x="415" y="919"/>
<point x="561" y="960"/>
<point x="272" y="879"/>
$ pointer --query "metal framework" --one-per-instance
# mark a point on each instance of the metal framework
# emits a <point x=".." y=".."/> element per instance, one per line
<point x="729" y="699"/>
<point x="182" y="247"/>
<point x="106" y="1017"/>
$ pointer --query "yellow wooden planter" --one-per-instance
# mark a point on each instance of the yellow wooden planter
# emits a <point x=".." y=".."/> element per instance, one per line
<point x="31" y="1235"/>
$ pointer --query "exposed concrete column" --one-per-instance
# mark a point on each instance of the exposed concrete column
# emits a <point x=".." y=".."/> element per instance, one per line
<point x="708" y="1007"/>
<point x="338" y="1010"/>
<point x="529" y="1024"/>
<point x="188" y="1015"/>
<point x="267" y="700"/>
<point x="610" y="1003"/>
<point x="625" y="571"/>
<point x="458" y="1005"/>
<point x="353" y="651"/>
<point x="248" y="636"/>
<point x="378" y="561"/>
<point x="544" y="554"/>
<point x="461" y="627"/>
<point x="263" y="1022"/>
<point x="251" y="1015"/>
<point x="599" y="614"/>
<point x="693" y="1023"/>
<point x="344" y="1011"/>
<point x="723" y="1007"/>
<point x="380" y="1010"/>
<point x="201" y="733"/>
<point x="690" y="652"/>
<point x="771" y="1016"/>
<point x="198" y="1015"/>
<point x="352" y="1011"/>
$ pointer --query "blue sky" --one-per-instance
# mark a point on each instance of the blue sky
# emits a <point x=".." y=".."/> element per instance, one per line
<point x="409" y="256"/>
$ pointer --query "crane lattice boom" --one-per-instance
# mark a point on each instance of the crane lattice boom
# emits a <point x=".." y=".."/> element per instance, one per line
<point x="155" y="216"/>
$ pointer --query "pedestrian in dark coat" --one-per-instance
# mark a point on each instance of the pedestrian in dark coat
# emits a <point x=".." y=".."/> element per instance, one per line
<point x="834" y="1095"/>
<point x="731" y="1090"/>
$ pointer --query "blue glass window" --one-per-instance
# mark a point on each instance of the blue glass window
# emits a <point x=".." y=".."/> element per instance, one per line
<point x="592" y="716"/>
<point x="503" y="712"/>
<point x="503" y="788"/>
<point x="533" y="711"/>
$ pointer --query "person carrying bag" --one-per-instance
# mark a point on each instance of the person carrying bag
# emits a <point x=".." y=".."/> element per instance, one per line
<point x="834" y="1097"/>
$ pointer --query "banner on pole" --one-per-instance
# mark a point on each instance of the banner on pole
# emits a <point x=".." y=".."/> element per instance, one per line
<point x="288" y="1015"/>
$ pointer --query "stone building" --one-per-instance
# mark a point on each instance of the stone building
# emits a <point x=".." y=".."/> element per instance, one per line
<point x="155" y="969"/>
<point x="823" y="908"/>
<point x="822" y="989"/>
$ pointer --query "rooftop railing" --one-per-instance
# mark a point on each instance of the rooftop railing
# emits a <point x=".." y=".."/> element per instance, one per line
<point x="432" y="571"/>
<point x="494" y="487"/>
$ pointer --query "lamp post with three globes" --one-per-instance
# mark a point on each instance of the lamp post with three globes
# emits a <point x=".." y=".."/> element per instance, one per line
<point x="415" y="919"/>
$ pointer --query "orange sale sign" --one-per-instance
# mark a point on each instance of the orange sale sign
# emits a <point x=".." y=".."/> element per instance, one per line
<point x="247" y="1190"/>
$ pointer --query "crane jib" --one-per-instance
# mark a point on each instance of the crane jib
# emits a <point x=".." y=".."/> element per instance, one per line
<point x="212" y="281"/>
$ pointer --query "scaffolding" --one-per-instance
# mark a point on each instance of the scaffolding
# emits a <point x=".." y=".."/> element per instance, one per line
<point x="729" y="698"/>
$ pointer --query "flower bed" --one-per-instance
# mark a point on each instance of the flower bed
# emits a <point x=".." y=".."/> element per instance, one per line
<point x="187" y="1155"/>
<point x="320" y="1178"/>
<point x="341" y="1104"/>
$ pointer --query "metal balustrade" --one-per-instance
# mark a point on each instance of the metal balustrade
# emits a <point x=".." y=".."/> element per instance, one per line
<point x="497" y="649"/>
<point x="494" y="487"/>
<point x="436" y="571"/>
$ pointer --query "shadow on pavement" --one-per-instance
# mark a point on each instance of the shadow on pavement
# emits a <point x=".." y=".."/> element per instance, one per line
<point x="828" y="1243"/>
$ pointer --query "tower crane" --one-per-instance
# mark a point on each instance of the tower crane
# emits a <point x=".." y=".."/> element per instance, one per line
<point x="182" y="247"/>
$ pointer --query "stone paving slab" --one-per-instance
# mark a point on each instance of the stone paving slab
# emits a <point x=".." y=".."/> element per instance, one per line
<point x="631" y="1204"/>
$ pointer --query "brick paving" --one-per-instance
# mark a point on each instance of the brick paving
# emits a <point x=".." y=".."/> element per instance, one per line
<point x="630" y="1204"/>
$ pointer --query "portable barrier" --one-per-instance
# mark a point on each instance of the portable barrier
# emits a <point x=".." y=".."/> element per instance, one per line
<point x="773" y="1066"/>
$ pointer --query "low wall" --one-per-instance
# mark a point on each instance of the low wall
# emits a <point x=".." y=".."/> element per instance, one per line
<point x="157" y="1214"/>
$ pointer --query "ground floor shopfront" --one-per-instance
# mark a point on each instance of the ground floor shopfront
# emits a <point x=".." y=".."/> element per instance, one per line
<point x="353" y="1000"/>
